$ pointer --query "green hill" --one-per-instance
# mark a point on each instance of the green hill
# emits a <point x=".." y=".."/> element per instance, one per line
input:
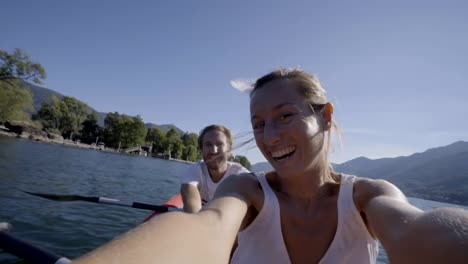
<point x="42" y="95"/>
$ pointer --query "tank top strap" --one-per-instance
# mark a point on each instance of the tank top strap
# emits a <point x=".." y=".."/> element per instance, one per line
<point x="346" y="206"/>
<point x="346" y="188"/>
<point x="270" y="202"/>
<point x="264" y="183"/>
<point x="352" y="242"/>
<point x="262" y="241"/>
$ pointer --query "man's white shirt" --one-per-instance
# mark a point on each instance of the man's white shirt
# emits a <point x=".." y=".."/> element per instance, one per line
<point x="198" y="175"/>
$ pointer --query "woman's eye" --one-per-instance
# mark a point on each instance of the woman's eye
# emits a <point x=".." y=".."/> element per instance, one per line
<point x="285" y="116"/>
<point x="258" y="125"/>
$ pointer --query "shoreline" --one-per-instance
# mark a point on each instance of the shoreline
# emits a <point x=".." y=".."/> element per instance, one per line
<point x="73" y="144"/>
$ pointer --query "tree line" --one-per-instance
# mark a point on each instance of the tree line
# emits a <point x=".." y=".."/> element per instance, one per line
<point x="16" y="101"/>
<point x="75" y="120"/>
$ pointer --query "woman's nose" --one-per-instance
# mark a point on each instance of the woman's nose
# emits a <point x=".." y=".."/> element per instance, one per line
<point x="270" y="135"/>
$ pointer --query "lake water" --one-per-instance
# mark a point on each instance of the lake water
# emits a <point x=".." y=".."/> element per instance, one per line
<point x="73" y="228"/>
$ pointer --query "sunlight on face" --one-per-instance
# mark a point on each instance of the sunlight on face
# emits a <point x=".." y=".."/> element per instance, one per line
<point x="285" y="128"/>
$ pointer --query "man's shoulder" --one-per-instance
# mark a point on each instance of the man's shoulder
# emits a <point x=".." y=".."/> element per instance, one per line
<point x="193" y="170"/>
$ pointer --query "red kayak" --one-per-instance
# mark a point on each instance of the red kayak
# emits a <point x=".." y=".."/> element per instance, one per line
<point x="174" y="202"/>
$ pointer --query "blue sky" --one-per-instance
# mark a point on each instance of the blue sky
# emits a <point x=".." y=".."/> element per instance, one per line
<point x="395" y="70"/>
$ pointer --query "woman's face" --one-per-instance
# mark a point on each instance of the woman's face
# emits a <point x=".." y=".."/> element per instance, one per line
<point x="286" y="130"/>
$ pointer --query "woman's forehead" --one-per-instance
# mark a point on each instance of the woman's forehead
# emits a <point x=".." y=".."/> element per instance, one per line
<point x="275" y="94"/>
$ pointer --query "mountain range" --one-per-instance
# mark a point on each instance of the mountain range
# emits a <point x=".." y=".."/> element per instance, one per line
<point x="439" y="174"/>
<point x="42" y="95"/>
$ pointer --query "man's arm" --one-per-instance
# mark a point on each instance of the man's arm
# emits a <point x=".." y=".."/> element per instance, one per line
<point x="190" y="189"/>
<point x="190" y="197"/>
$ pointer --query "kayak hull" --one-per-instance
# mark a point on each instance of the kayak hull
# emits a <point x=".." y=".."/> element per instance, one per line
<point x="174" y="202"/>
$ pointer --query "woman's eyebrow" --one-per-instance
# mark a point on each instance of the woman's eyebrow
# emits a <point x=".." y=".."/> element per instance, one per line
<point x="283" y="105"/>
<point x="276" y="107"/>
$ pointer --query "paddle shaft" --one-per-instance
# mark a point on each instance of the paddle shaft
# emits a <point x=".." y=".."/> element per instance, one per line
<point x="158" y="208"/>
<point x="104" y="200"/>
<point x="29" y="252"/>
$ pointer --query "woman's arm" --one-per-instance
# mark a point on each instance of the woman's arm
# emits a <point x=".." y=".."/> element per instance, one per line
<point x="203" y="237"/>
<point x="408" y="234"/>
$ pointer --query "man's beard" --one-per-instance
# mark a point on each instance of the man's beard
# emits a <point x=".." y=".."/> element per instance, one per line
<point x="216" y="162"/>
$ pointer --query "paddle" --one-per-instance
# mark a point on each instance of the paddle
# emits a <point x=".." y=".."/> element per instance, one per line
<point x="27" y="251"/>
<point x="104" y="200"/>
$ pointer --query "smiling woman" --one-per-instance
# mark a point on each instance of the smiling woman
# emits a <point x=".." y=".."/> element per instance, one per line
<point x="302" y="212"/>
<point x="294" y="104"/>
<point x="305" y="202"/>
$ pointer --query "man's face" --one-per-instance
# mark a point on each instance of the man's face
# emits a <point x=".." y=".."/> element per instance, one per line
<point x="215" y="149"/>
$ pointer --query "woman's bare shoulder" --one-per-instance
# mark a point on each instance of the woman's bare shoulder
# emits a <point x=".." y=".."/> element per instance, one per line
<point x="366" y="189"/>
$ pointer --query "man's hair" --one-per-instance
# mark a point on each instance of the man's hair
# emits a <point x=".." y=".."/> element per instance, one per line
<point x="219" y="128"/>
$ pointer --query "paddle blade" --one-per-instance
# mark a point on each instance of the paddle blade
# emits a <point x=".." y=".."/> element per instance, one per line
<point x="64" y="198"/>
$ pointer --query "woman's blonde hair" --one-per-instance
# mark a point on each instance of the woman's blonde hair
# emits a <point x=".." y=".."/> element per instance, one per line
<point x="310" y="88"/>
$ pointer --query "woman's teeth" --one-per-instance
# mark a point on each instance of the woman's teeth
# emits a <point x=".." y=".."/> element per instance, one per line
<point x="282" y="153"/>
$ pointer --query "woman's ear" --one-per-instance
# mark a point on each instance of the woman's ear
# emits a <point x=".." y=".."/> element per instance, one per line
<point x="327" y="116"/>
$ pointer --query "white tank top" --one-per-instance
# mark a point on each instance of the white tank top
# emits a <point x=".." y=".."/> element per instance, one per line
<point x="208" y="187"/>
<point x="198" y="175"/>
<point x="262" y="241"/>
